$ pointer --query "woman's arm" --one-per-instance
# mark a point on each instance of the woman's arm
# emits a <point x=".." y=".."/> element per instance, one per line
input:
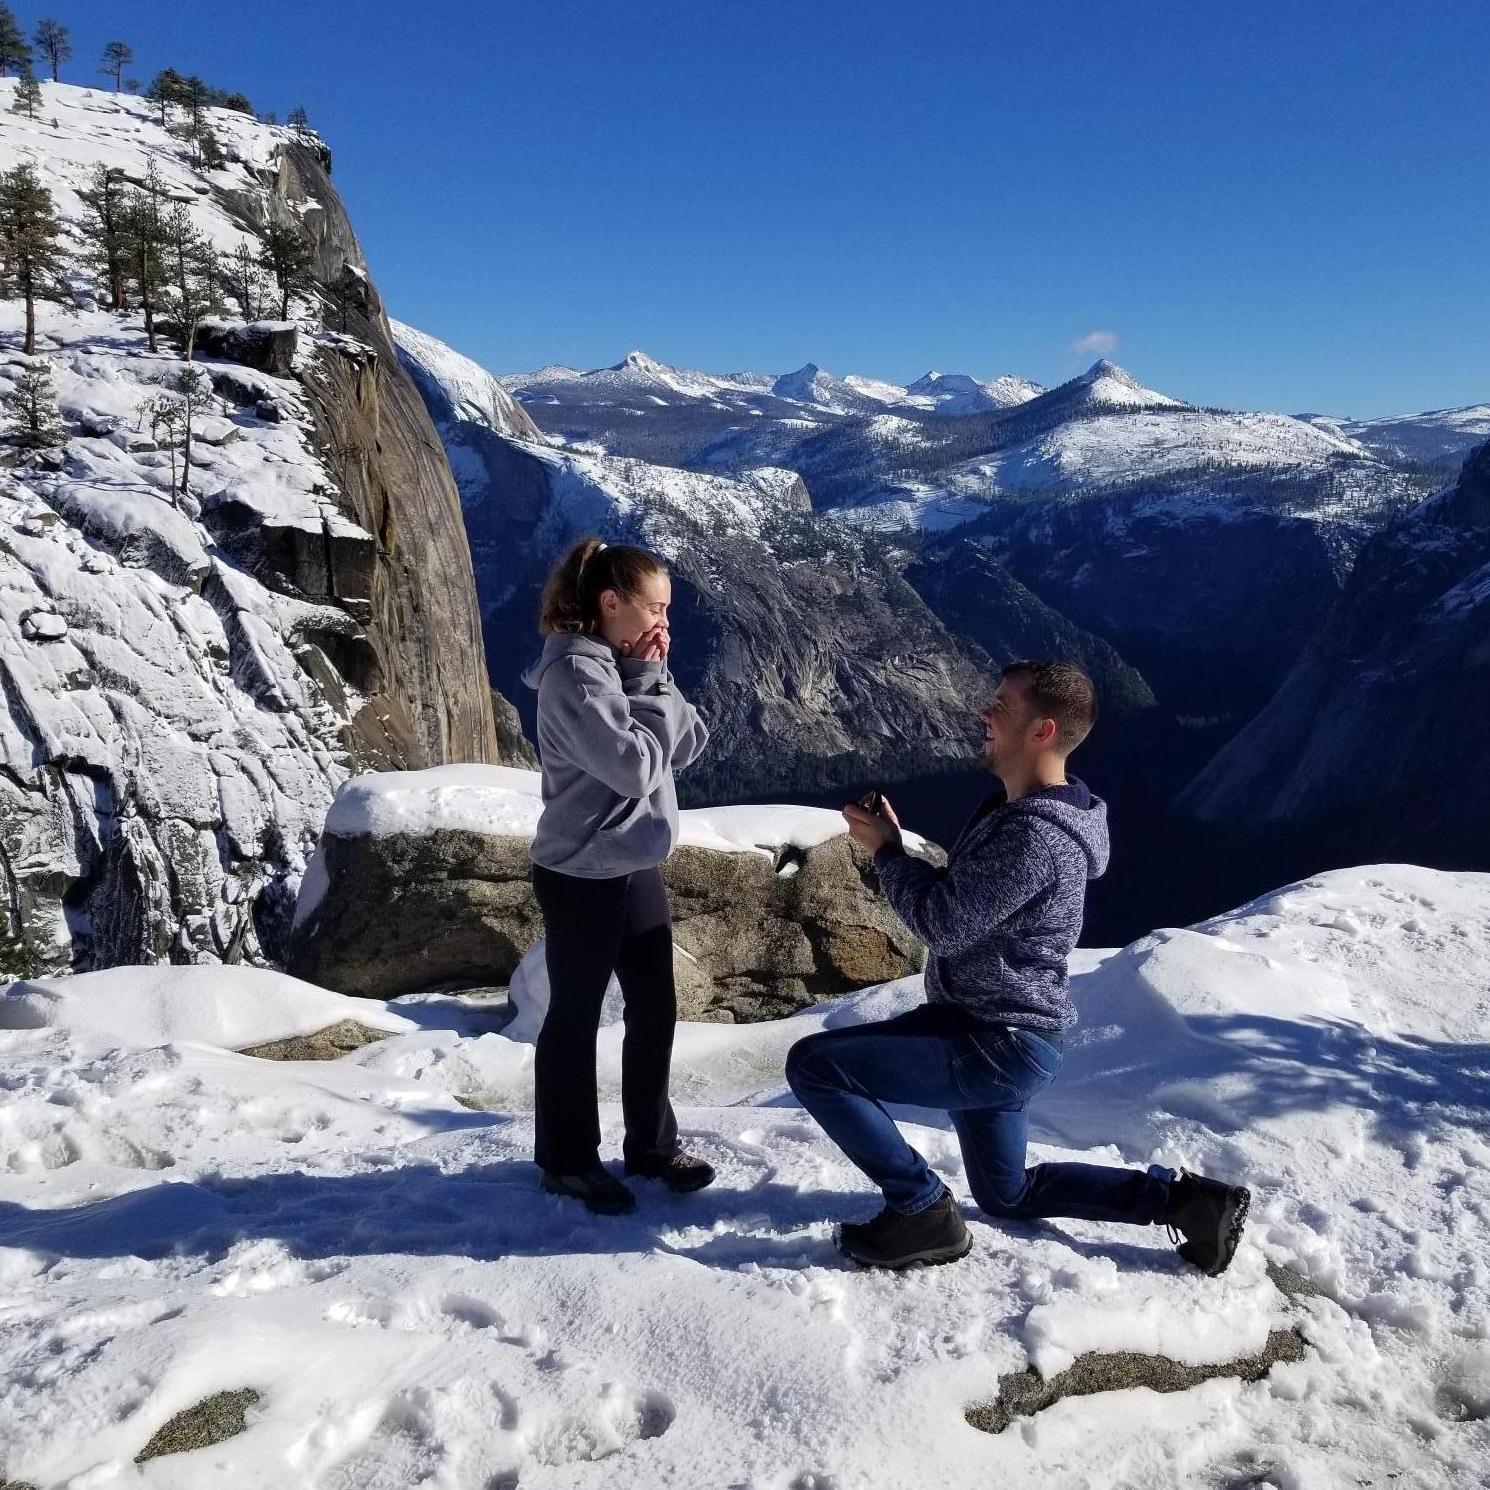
<point x="624" y="738"/>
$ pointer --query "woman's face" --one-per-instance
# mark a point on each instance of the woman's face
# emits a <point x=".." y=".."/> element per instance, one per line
<point x="625" y="618"/>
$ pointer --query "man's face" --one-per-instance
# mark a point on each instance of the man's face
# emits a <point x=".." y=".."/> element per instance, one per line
<point x="1007" y="725"/>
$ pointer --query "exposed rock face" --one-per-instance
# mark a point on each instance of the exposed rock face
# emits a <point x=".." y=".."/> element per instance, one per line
<point x="976" y="597"/>
<point x="757" y="937"/>
<point x="1375" y="743"/>
<point x="1212" y="602"/>
<point x="395" y="482"/>
<point x="269" y="346"/>
<point x="188" y="676"/>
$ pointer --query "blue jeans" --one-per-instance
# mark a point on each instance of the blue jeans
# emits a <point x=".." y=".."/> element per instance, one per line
<point x="984" y="1077"/>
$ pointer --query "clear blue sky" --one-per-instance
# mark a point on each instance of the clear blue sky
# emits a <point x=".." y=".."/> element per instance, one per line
<point x="1275" y="204"/>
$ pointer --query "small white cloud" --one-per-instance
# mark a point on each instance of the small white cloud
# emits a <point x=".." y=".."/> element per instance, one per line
<point x="1095" y="344"/>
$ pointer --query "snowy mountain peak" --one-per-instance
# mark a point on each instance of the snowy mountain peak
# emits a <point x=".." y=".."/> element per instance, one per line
<point x="1105" y="384"/>
<point x="637" y="360"/>
<point x="1103" y="368"/>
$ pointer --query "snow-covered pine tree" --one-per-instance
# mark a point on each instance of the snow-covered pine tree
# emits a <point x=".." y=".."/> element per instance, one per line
<point x="13" y="47"/>
<point x="166" y="416"/>
<point x="146" y="244"/>
<point x="117" y="55"/>
<point x="33" y="421"/>
<point x="193" y="388"/>
<point x="27" y="98"/>
<point x="194" y="274"/>
<point x="106" y="231"/>
<point x="30" y="247"/>
<point x="54" y="44"/>
<point x="286" y="255"/>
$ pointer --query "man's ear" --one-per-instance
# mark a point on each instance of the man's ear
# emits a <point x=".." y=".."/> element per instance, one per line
<point x="1046" y="732"/>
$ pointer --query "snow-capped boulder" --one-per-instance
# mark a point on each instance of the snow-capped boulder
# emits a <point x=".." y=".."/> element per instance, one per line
<point x="423" y="879"/>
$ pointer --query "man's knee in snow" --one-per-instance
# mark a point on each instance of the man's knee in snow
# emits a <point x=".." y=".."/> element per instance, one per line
<point x="1006" y="1202"/>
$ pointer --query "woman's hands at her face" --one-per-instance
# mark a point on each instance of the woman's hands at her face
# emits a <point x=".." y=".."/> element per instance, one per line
<point x="651" y="646"/>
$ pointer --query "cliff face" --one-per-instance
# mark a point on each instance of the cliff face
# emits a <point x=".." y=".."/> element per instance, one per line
<point x="186" y="676"/>
<point x="1376" y="740"/>
<point x="394" y="481"/>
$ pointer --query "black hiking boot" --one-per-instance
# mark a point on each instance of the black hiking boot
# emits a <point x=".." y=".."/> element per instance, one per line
<point x="680" y="1171"/>
<point x="893" y="1240"/>
<point x="598" y="1188"/>
<point x="1210" y="1216"/>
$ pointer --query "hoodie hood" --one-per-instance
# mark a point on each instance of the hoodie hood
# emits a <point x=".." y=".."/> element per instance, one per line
<point x="567" y="644"/>
<point x="1078" y="813"/>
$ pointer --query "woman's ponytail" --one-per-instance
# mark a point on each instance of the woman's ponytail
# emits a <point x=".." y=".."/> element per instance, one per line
<point x="571" y="598"/>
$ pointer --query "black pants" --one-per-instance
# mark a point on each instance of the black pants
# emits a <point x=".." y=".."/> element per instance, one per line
<point x="593" y="928"/>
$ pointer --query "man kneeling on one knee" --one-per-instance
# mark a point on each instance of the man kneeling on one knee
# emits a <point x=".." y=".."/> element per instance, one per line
<point x="999" y="923"/>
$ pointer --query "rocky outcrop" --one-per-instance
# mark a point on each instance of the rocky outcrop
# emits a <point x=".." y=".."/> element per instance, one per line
<point x="757" y="936"/>
<point x="1375" y="743"/>
<point x="187" y="675"/>
<point x="393" y="481"/>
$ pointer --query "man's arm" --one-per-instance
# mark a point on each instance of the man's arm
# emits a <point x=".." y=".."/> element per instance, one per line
<point x="950" y="909"/>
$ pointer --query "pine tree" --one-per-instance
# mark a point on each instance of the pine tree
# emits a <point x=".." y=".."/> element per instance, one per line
<point x="193" y="388"/>
<point x="27" y="98"/>
<point x="117" y="55"/>
<point x="146" y="243"/>
<point x="209" y="149"/>
<point x="166" y="416"/>
<point x="35" y="422"/>
<point x="286" y="254"/>
<point x="107" y="234"/>
<point x="55" y="45"/>
<point x="299" y="119"/>
<point x="13" y="48"/>
<point x="194" y="275"/>
<point x="166" y="88"/>
<point x="30" y="251"/>
<point x="195" y="96"/>
<point x="247" y="281"/>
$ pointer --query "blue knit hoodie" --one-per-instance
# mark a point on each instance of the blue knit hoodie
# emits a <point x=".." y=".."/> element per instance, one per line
<point x="611" y="732"/>
<point x="1001" y="919"/>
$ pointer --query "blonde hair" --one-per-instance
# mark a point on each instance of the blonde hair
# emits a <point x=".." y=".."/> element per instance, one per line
<point x="571" y="598"/>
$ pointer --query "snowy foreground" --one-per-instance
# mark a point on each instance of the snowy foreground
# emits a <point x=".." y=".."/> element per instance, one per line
<point x="371" y="1254"/>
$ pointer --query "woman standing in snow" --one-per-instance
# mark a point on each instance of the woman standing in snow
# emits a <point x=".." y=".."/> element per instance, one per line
<point x="612" y="729"/>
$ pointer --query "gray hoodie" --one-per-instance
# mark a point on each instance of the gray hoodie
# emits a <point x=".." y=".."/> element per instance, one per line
<point x="1001" y="919"/>
<point x="611" y="732"/>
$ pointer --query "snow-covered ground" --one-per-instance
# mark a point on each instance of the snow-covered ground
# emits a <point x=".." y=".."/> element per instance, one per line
<point x="1148" y="444"/>
<point x="362" y="1240"/>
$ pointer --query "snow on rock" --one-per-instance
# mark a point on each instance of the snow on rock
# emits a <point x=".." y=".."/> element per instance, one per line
<point x="375" y="1258"/>
<point x="470" y="392"/>
<point x="503" y="800"/>
<point x="231" y="1007"/>
<point x="187" y="673"/>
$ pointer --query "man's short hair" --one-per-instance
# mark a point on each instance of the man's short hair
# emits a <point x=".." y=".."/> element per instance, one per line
<point x="1060" y="691"/>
